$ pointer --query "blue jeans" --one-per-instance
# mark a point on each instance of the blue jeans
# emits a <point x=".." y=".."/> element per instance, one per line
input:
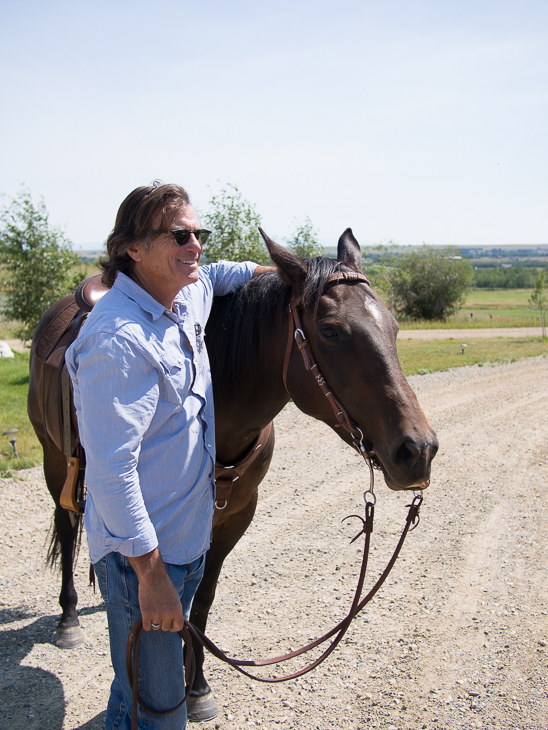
<point x="161" y="672"/>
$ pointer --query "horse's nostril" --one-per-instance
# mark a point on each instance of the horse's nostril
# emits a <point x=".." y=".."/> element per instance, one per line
<point x="407" y="454"/>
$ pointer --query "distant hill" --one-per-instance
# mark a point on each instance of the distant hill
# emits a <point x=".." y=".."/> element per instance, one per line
<point x="521" y="254"/>
<point x="90" y="255"/>
<point x="497" y="255"/>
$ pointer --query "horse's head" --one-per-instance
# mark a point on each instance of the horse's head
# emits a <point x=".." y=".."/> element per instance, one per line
<point x="353" y="339"/>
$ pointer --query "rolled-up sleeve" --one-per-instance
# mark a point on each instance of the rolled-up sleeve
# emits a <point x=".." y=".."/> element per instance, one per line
<point x="116" y="391"/>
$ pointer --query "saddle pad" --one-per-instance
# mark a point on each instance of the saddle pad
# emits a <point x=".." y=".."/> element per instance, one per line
<point x="57" y="327"/>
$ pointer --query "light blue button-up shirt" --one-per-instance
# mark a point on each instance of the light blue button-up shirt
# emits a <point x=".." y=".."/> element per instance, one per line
<point x="144" y="401"/>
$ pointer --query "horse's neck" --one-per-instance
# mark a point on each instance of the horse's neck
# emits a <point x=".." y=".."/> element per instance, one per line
<point x="239" y="421"/>
<point x="242" y="411"/>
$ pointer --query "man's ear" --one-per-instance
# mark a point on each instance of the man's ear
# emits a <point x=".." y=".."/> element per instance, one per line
<point x="135" y="251"/>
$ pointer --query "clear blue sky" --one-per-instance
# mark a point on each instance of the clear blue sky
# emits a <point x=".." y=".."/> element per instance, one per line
<point x="412" y="120"/>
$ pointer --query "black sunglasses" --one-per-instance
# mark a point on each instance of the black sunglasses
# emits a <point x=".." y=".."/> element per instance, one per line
<point x="181" y="236"/>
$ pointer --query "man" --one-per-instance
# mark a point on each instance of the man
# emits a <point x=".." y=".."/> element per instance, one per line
<point x="143" y="396"/>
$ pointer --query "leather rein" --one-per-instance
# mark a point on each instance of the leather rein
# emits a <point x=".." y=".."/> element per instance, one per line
<point x="189" y="631"/>
<point x="296" y="333"/>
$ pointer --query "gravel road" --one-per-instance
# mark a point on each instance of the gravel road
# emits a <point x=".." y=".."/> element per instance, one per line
<point x="456" y="639"/>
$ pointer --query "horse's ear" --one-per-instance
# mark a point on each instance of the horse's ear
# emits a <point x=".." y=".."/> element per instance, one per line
<point x="291" y="268"/>
<point x="348" y="251"/>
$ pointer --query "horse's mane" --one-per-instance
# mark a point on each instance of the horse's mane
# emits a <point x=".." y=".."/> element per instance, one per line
<point x="241" y="325"/>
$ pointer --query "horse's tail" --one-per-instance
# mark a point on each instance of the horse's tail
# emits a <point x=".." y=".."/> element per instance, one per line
<point x="54" y="550"/>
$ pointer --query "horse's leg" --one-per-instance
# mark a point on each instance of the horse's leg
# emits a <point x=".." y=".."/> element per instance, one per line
<point x="201" y="705"/>
<point x="68" y="633"/>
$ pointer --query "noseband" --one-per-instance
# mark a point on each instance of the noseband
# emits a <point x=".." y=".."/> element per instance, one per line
<point x="296" y="333"/>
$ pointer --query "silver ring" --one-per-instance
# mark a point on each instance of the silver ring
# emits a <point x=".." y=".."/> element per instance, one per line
<point x="155" y="626"/>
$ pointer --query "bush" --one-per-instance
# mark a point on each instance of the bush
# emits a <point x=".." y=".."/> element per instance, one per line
<point x="539" y="298"/>
<point x="37" y="263"/>
<point x="234" y="225"/>
<point x="429" y="283"/>
<point x="304" y="243"/>
<point x="378" y="263"/>
<point x="515" y="277"/>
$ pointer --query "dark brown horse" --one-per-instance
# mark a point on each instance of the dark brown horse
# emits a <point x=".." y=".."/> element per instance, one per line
<point x="353" y="339"/>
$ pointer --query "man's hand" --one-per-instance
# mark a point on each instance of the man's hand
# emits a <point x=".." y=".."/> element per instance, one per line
<point x="158" y="598"/>
<point x="263" y="270"/>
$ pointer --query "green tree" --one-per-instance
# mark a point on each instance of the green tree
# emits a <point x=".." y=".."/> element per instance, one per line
<point x="516" y="277"/>
<point x="378" y="264"/>
<point x="539" y="298"/>
<point x="37" y="262"/>
<point x="304" y="242"/>
<point x="430" y="283"/>
<point x="234" y="224"/>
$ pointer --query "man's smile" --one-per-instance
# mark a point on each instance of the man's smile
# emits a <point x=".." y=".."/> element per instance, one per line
<point x="191" y="259"/>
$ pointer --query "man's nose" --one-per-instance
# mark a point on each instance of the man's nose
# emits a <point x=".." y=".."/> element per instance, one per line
<point x="194" y="242"/>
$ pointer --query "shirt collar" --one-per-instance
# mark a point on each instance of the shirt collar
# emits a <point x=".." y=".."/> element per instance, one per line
<point x="139" y="295"/>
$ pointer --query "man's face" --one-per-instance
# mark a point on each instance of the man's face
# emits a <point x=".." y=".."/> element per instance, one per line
<point x="166" y="268"/>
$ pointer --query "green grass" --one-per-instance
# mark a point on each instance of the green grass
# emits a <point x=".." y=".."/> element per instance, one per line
<point x="498" y="298"/>
<point x="418" y="357"/>
<point x="14" y="383"/>
<point x="482" y="319"/>
<point x="490" y="308"/>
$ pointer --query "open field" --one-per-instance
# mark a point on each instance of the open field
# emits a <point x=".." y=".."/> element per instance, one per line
<point x="14" y="384"/>
<point x="482" y="319"/>
<point x="456" y="639"/>
<point x="420" y="356"/>
<point x="464" y="335"/>
<point x="498" y="298"/>
<point x="489" y="308"/>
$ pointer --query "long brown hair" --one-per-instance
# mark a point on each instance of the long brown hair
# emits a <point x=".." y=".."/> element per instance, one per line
<point x="135" y="220"/>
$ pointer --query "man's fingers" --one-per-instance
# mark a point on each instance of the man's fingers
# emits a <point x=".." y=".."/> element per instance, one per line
<point x="177" y="623"/>
<point x="151" y="624"/>
<point x="169" y="623"/>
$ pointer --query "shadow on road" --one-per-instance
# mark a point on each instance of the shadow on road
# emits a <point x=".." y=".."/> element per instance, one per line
<point x="32" y="698"/>
<point x="96" y="723"/>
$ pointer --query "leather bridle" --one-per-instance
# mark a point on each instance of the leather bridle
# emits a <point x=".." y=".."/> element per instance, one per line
<point x="189" y="631"/>
<point x="296" y="333"/>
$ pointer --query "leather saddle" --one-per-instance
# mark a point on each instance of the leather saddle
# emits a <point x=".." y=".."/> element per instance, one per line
<point x="65" y="320"/>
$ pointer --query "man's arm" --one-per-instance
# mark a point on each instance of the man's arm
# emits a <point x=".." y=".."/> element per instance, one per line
<point x="228" y="276"/>
<point x="112" y="428"/>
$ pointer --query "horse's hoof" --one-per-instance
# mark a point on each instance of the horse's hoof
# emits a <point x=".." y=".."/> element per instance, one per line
<point x="69" y="637"/>
<point x="202" y="708"/>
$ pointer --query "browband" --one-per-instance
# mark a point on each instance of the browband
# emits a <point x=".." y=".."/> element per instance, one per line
<point x="343" y="276"/>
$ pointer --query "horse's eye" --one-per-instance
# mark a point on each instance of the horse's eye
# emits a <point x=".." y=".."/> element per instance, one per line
<point x="328" y="332"/>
